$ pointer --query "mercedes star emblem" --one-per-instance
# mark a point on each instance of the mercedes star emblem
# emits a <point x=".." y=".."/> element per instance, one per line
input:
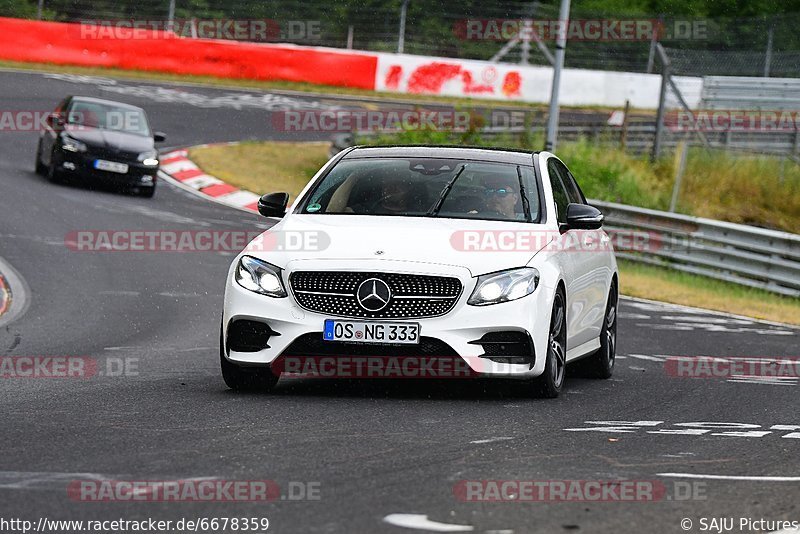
<point x="373" y="294"/>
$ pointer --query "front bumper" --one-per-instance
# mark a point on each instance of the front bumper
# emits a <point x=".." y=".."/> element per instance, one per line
<point x="459" y="329"/>
<point x="81" y="165"/>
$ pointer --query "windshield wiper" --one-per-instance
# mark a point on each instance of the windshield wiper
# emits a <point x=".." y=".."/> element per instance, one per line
<point x="440" y="201"/>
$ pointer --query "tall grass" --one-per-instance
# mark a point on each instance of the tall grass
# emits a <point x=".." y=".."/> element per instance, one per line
<point x="756" y="190"/>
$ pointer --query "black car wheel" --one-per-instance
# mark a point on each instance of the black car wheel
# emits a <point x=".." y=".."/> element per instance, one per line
<point x="53" y="174"/>
<point x="550" y="383"/>
<point x="41" y="168"/>
<point x="146" y="192"/>
<point x="601" y="363"/>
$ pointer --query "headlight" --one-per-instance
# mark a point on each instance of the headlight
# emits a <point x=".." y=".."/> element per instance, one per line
<point x="149" y="158"/>
<point x="504" y="286"/>
<point x="260" y="277"/>
<point x="71" y="145"/>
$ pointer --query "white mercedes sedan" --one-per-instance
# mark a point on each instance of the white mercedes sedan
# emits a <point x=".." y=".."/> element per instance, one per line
<point x="425" y="262"/>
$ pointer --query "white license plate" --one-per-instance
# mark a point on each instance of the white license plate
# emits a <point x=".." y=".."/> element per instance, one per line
<point x="111" y="166"/>
<point x="371" y="332"/>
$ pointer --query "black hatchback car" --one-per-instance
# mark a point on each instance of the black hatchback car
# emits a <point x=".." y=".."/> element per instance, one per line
<point x="99" y="141"/>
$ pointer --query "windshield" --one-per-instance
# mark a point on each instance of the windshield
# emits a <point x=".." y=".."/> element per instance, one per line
<point x="108" y="117"/>
<point x="427" y="187"/>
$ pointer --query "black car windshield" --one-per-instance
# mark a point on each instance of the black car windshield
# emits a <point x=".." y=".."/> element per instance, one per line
<point x="427" y="187"/>
<point x="108" y="117"/>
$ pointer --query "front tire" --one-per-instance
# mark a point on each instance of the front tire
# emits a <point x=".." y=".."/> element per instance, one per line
<point x="41" y="168"/>
<point x="53" y="175"/>
<point x="551" y="381"/>
<point x="240" y="378"/>
<point x="601" y="363"/>
<point x="147" y="192"/>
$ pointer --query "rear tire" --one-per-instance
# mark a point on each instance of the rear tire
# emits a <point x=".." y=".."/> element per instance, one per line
<point x="551" y="381"/>
<point x="240" y="378"/>
<point x="601" y="363"/>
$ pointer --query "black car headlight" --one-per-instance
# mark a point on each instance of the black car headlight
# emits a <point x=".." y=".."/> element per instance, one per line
<point x="72" y="145"/>
<point x="504" y="286"/>
<point x="260" y="277"/>
<point x="149" y="158"/>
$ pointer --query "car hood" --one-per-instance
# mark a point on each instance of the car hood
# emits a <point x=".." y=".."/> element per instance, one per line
<point x="111" y="139"/>
<point x="409" y="239"/>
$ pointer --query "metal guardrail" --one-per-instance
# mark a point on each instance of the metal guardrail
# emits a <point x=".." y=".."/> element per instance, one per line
<point x="744" y="255"/>
<point x="734" y="92"/>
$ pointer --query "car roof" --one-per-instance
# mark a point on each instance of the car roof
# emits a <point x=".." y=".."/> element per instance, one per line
<point x="488" y="154"/>
<point x="92" y="100"/>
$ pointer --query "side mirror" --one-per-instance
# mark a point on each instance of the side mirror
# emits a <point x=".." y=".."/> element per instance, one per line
<point x="583" y="217"/>
<point x="54" y="120"/>
<point x="159" y="137"/>
<point x="273" y="204"/>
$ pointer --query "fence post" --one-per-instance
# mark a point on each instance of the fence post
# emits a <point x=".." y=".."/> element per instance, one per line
<point x="682" y="151"/>
<point x="651" y="56"/>
<point x="39" y="9"/>
<point x="768" y="54"/>
<point x="350" y="37"/>
<point x="561" y="45"/>
<point x="171" y="16"/>
<point x="623" y="136"/>
<point x="401" y="38"/>
<point x="662" y="102"/>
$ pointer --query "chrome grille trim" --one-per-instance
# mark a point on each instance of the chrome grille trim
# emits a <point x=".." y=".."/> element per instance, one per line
<point x="414" y="296"/>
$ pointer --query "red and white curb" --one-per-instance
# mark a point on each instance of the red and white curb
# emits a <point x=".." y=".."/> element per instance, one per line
<point x="5" y="295"/>
<point x="177" y="166"/>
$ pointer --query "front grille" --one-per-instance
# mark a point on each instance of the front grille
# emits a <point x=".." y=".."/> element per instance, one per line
<point x="414" y="296"/>
<point x="111" y="154"/>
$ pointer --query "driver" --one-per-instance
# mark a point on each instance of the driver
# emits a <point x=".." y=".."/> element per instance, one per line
<point x="395" y="197"/>
<point x="502" y="195"/>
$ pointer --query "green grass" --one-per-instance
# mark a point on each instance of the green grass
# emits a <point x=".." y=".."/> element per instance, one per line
<point x="667" y="285"/>
<point x="263" y="167"/>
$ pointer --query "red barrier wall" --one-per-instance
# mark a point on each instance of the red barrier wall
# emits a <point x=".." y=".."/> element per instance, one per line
<point x="59" y="43"/>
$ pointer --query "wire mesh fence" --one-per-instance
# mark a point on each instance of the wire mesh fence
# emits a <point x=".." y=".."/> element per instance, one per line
<point x="699" y="46"/>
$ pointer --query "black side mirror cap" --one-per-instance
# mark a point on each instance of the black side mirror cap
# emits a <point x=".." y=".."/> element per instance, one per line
<point x="273" y="204"/>
<point x="55" y="120"/>
<point x="159" y="137"/>
<point x="583" y="217"/>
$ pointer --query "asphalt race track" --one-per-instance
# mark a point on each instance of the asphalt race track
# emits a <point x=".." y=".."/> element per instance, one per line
<point x="371" y="448"/>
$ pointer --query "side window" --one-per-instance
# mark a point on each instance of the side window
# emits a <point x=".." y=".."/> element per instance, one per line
<point x="573" y="184"/>
<point x="573" y="191"/>
<point x="559" y="191"/>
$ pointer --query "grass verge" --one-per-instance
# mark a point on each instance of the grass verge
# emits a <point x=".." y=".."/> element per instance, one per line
<point x="668" y="285"/>
<point x="263" y="167"/>
<point x="280" y="166"/>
